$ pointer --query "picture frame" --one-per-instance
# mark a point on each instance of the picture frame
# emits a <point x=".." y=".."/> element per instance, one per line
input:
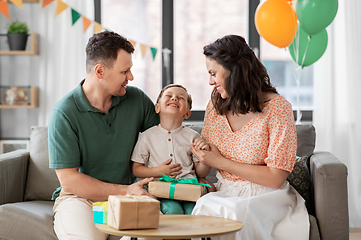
<point x="12" y="145"/>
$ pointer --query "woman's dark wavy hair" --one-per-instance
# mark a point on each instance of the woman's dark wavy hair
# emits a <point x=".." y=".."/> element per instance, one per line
<point x="247" y="79"/>
<point x="103" y="48"/>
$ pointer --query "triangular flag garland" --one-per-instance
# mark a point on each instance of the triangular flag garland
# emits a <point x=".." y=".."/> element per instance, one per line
<point x="4" y="8"/>
<point x="132" y="42"/>
<point x="143" y="48"/>
<point x="18" y="3"/>
<point x="60" y="7"/>
<point x="46" y="3"/>
<point x="154" y="52"/>
<point x="75" y="15"/>
<point x="86" y="23"/>
<point x="97" y="27"/>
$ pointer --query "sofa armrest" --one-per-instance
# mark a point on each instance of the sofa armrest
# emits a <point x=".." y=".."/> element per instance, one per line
<point x="13" y="169"/>
<point x="329" y="180"/>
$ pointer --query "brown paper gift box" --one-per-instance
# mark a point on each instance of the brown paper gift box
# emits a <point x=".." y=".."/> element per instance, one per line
<point x="133" y="212"/>
<point x="185" y="192"/>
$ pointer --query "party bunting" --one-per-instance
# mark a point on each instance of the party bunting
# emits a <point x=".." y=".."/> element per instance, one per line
<point x="97" y="27"/>
<point x="18" y="3"/>
<point x="154" y="52"/>
<point x="86" y="23"/>
<point x="4" y="8"/>
<point x="143" y="48"/>
<point x="60" y="7"/>
<point x="132" y="42"/>
<point x="46" y="3"/>
<point x="74" y="16"/>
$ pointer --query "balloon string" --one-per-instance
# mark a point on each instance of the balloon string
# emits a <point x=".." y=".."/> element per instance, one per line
<point x="297" y="74"/>
<point x="296" y="46"/>
<point x="299" y="114"/>
<point x="304" y="54"/>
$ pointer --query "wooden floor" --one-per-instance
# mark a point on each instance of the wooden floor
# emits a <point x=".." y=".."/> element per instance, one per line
<point x="355" y="233"/>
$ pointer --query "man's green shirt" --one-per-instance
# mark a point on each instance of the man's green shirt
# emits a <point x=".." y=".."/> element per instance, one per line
<point x="99" y="144"/>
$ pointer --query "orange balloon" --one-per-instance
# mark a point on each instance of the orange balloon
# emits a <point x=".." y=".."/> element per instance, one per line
<point x="276" y="22"/>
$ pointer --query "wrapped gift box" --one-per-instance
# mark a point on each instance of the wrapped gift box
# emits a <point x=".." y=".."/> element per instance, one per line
<point x="178" y="191"/>
<point x="133" y="212"/>
<point x="100" y="212"/>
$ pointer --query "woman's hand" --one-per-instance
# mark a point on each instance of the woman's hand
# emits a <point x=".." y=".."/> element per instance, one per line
<point x="210" y="157"/>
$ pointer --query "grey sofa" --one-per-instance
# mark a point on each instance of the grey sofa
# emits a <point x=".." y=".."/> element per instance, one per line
<point x="26" y="185"/>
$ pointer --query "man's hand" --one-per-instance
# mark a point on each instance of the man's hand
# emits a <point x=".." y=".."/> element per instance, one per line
<point x="169" y="169"/>
<point x="137" y="188"/>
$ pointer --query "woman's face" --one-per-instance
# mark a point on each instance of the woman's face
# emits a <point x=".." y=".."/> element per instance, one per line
<point x="218" y="76"/>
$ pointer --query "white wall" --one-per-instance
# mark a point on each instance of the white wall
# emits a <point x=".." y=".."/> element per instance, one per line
<point x="58" y="68"/>
<point x="18" y="70"/>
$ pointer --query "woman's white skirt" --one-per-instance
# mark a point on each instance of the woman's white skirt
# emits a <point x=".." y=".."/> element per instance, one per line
<point x="267" y="213"/>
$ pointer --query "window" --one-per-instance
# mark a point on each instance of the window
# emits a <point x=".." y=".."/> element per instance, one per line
<point x="196" y="24"/>
<point x="187" y="26"/>
<point x="139" y="21"/>
<point x="284" y="73"/>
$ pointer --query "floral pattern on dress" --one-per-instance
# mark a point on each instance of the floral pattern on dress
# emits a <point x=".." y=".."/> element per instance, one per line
<point x="268" y="139"/>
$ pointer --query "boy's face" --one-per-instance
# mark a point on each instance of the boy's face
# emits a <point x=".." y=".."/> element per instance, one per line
<point x="174" y="102"/>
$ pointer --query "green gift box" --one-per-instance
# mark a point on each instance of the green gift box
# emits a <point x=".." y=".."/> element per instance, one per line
<point x="180" y="189"/>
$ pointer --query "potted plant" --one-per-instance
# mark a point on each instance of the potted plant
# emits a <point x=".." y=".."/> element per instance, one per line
<point x="17" y="33"/>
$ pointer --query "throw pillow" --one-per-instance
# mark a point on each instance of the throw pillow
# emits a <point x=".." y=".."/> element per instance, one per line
<point x="300" y="179"/>
<point x="41" y="180"/>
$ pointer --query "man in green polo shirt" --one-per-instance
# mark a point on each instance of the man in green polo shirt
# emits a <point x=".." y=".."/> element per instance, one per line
<point x="92" y="132"/>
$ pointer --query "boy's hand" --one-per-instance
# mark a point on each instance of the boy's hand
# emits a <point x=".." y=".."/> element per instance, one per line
<point x="200" y="144"/>
<point x="169" y="169"/>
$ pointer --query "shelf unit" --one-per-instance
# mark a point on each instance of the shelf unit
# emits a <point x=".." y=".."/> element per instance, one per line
<point x="34" y="100"/>
<point x="33" y="47"/>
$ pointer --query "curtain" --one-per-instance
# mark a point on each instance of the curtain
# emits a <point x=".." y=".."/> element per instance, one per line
<point x="337" y="113"/>
<point x="62" y="48"/>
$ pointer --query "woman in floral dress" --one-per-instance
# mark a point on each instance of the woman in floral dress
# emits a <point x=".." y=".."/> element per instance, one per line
<point x="252" y="134"/>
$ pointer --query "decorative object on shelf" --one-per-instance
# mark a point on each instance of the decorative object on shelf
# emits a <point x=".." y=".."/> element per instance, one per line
<point x="15" y="95"/>
<point x="33" y="49"/>
<point x="19" y="97"/>
<point x="17" y="33"/>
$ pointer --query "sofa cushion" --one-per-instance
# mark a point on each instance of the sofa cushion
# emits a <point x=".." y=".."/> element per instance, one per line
<point x="27" y="220"/>
<point x="306" y="139"/>
<point x="41" y="180"/>
<point x="300" y="179"/>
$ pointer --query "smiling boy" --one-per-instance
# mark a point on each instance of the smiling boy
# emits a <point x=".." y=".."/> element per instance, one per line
<point x="166" y="148"/>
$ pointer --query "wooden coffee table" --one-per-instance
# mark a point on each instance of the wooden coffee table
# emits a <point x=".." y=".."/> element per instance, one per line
<point x="181" y="227"/>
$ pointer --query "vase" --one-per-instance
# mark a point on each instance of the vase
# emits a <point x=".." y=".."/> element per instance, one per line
<point x="17" y="41"/>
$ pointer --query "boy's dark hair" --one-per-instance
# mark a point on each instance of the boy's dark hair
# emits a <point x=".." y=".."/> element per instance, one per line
<point x="103" y="48"/>
<point x="189" y="99"/>
<point x="247" y="79"/>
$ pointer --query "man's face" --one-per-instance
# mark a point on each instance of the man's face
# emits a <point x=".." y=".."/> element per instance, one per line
<point x="116" y="78"/>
